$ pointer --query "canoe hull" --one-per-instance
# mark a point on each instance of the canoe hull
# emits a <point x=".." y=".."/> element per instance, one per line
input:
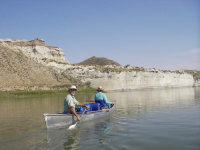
<point x="59" y="120"/>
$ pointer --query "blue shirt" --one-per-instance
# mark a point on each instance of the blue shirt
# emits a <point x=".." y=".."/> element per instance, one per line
<point x="102" y="96"/>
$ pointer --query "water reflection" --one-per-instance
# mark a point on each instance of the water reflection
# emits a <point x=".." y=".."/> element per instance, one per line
<point x="143" y="101"/>
<point x="197" y="93"/>
<point x="144" y="117"/>
<point x="61" y="138"/>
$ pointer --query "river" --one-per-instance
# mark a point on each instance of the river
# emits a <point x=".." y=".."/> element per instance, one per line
<point x="148" y="119"/>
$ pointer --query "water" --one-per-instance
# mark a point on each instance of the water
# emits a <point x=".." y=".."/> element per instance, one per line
<point x="153" y="119"/>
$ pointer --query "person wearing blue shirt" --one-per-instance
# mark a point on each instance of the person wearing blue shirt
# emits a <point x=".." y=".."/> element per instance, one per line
<point x="101" y="98"/>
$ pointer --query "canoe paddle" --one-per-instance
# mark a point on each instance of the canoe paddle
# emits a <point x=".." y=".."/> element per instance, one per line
<point x="75" y="124"/>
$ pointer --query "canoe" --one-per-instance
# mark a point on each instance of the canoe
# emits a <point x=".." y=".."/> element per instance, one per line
<point x="59" y="120"/>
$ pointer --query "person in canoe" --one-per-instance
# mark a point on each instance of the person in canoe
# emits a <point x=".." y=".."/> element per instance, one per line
<point x="70" y="102"/>
<point x="101" y="98"/>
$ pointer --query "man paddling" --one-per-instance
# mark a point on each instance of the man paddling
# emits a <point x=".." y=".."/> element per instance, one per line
<point x="70" y="102"/>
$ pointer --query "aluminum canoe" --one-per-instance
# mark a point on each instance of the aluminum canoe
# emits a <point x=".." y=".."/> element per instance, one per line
<point x="59" y="120"/>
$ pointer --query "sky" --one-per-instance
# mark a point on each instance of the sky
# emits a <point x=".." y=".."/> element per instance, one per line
<point x="161" y="34"/>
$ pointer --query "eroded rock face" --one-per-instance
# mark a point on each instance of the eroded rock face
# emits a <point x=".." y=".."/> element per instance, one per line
<point x="131" y="79"/>
<point x="19" y="72"/>
<point x="33" y="64"/>
<point x="38" y="50"/>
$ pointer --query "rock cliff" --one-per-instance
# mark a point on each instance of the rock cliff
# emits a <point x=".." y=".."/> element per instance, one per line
<point x="21" y="72"/>
<point x="120" y="78"/>
<point x="36" y="65"/>
<point x="39" y="51"/>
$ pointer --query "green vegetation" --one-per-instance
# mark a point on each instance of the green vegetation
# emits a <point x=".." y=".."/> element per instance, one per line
<point x="40" y="93"/>
<point x="195" y="73"/>
<point x="118" y="69"/>
<point x="109" y="69"/>
<point x="88" y="83"/>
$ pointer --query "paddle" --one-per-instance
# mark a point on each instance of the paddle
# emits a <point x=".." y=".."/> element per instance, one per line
<point x="75" y="124"/>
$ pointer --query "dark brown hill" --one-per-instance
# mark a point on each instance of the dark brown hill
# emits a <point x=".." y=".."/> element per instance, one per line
<point x="98" y="61"/>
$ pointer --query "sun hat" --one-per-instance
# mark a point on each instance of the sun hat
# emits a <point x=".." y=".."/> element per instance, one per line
<point x="72" y="87"/>
<point x="100" y="88"/>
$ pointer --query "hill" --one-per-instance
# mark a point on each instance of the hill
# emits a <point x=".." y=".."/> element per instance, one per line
<point x="20" y="72"/>
<point x="98" y="61"/>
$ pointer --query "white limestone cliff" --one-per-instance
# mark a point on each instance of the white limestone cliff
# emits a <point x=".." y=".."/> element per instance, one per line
<point x="130" y="79"/>
<point x="39" y="51"/>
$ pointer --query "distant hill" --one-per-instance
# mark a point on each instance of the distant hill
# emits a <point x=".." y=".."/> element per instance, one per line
<point x="98" y="61"/>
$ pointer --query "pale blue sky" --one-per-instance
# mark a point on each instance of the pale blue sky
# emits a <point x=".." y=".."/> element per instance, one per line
<point x="163" y="34"/>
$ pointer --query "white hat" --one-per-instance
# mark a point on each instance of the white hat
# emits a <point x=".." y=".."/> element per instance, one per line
<point x="73" y="87"/>
<point x="100" y="88"/>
